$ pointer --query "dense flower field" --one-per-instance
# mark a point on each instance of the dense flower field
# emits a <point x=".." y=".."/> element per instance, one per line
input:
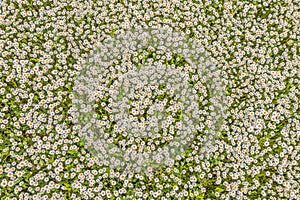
<point x="45" y="47"/>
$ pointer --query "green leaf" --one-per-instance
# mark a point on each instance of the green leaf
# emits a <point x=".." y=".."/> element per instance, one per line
<point x="218" y="189"/>
<point x="73" y="152"/>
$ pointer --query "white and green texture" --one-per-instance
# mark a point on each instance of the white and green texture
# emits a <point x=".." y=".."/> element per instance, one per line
<point x="150" y="110"/>
<point x="45" y="47"/>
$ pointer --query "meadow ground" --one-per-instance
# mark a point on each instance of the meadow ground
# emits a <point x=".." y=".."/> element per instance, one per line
<point x="43" y="48"/>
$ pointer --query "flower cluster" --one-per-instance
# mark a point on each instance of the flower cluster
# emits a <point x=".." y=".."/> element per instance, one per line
<point x="44" y="46"/>
<point x="156" y="99"/>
